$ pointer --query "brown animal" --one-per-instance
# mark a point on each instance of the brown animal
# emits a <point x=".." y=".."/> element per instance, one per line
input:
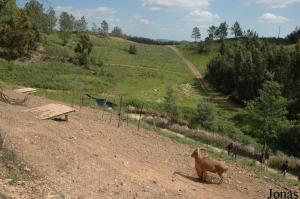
<point x="235" y="151"/>
<point x="204" y="164"/>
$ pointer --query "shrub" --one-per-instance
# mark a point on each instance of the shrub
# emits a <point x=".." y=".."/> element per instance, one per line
<point x="83" y="49"/>
<point x="206" y="115"/>
<point x="277" y="161"/>
<point x="170" y="104"/>
<point x="132" y="49"/>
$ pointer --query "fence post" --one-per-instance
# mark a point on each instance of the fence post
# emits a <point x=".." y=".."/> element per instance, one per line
<point x="120" y="113"/>
<point x="140" y="117"/>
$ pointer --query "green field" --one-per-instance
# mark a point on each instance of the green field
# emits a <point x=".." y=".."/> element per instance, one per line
<point x="140" y="78"/>
<point x="199" y="60"/>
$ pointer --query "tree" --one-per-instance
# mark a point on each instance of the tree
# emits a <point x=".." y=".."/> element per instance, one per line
<point x="83" y="49"/>
<point x="211" y="31"/>
<point x="269" y="110"/>
<point x="294" y="36"/>
<point x="236" y="30"/>
<point x="132" y="49"/>
<point x="35" y="10"/>
<point x="206" y="115"/>
<point x="196" y="33"/>
<point x="104" y="28"/>
<point x="170" y="104"/>
<point x="222" y="31"/>
<point x="17" y="34"/>
<point x="66" y="24"/>
<point x="117" y="31"/>
<point x="250" y="33"/>
<point x="81" y="25"/>
<point x="51" y="18"/>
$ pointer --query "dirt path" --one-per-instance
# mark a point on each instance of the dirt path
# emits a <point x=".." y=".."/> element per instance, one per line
<point x="88" y="157"/>
<point x="218" y="97"/>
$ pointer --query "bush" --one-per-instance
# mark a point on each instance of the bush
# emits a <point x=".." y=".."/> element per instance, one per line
<point x="206" y="115"/>
<point x="290" y="140"/>
<point x="170" y="104"/>
<point x="277" y="161"/>
<point x="205" y="47"/>
<point x="132" y="49"/>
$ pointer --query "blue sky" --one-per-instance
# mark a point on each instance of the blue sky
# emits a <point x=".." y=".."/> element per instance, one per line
<point x="174" y="19"/>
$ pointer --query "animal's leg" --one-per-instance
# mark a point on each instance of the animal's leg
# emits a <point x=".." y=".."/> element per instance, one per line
<point x="199" y="173"/>
<point x="221" y="177"/>
<point x="205" y="176"/>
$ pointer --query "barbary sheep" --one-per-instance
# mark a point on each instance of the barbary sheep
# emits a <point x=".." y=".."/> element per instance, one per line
<point x="204" y="164"/>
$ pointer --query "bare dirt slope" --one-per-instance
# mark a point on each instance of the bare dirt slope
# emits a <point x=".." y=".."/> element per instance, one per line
<point x="89" y="158"/>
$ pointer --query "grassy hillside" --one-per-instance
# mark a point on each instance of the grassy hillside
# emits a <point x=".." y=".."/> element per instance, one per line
<point x="141" y="77"/>
<point x="199" y="60"/>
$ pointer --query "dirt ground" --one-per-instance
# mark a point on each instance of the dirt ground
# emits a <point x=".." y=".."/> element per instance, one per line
<point x="88" y="157"/>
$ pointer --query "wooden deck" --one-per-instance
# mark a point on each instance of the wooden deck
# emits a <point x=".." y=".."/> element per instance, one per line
<point x="26" y="90"/>
<point x="52" y="111"/>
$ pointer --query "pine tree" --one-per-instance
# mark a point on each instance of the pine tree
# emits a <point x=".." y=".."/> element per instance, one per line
<point x="17" y="34"/>
<point x="104" y="28"/>
<point x="236" y="30"/>
<point x="222" y="31"/>
<point x="81" y="25"/>
<point x="66" y="24"/>
<point x="83" y="49"/>
<point x="52" y="20"/>
<point x="211" y="31"/>
<point x="196" y="34"/>
<point x="35" y="10"/>
<point x="117" y="31"/>
<point x="269" y="110"/>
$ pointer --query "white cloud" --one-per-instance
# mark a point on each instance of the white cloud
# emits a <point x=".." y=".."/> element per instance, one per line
<point x="91" y="14"/>
<point x="202" y="17"/>
<point x="273" y="3"/>
<point x="144" y="20"/>
<point x="272" y="19"/>
<point x="176" y="4"/>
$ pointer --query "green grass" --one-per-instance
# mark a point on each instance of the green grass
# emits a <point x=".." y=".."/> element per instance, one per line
<point x="199" y="60"/>
<point x="140" y="78"/>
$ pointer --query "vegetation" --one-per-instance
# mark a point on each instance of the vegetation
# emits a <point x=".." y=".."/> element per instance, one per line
<point x="238" y="67"/>
<point x="18" y="35"/>
<point x="83" y="49"/>
<point x="196" y="35"/>
<point x="207" y="115"/>
<point x="239" y="70"/>
<point x="170" y="104"/>
<point x="269" y="110"/>
<point x="132" y="49"/>
<point x="104" y="28"/>
<point x="66" y="24"/>
<point x="290" y="140"/>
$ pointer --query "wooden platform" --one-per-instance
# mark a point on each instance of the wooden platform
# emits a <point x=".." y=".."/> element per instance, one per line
<point x="26" y="90"/>
<point x="51" y="111"/>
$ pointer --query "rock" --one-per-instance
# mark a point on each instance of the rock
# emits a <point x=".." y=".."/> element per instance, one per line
<point x="27" y="169"/>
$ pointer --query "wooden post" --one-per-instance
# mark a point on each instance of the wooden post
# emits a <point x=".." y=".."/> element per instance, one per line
<point x="127" y="114"/>
<point x="120" y="114"/>
<point x="140" y="118"/>
<point x="66" y="118"/>
<point x="154" y="123"/>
